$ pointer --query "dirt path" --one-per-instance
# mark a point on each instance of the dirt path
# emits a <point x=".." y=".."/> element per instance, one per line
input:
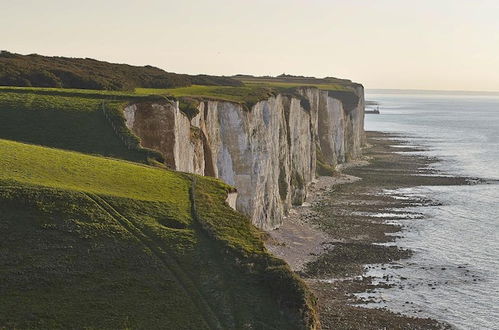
<point x="167" y="261"/>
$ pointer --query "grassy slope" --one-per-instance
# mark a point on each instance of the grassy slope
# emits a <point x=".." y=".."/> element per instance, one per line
<point x="69" y="119"/>
<point x="112" y="244"/>
<point x="71" y="170"/>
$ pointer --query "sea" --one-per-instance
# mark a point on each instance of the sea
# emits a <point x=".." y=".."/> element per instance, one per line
<point x="454" y="273"/>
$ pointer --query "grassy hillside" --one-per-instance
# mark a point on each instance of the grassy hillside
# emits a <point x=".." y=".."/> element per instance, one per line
<point x="71" y="120"/>
<point x="90" y="242"/>
<point x="85" y="73"/>
<point x="69" y="170"/>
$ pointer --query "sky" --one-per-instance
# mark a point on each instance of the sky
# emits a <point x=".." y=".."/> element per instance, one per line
<point x="402" y="44"/>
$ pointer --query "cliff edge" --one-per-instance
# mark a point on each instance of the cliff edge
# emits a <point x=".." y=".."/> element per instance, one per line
<point x="270" y="151"/>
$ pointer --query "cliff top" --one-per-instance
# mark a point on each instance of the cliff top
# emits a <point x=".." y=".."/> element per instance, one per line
<point x="298" y="80"/>
<point x="92" y="78"/>
<point x="255" y="90"/>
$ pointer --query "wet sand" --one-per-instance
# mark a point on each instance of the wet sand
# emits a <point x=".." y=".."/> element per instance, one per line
<point x="332" y="238"/>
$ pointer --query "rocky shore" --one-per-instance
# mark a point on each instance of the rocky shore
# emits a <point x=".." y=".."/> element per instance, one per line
<point x="335" y="236"/>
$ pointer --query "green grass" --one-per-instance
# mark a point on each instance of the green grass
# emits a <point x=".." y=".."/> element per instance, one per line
<point x="283" y="84"/>
<point x="251" y="89"/>
<point x="66" y="263"/>
<point x="92" y="242"/>
<point x="254" y="88"/>
<point x="68" y="92"/>
<point x="68" y="120"/>
<point x="247" y="95"/>
<point x="70" y="170"/>
<point x="233" y="234"/>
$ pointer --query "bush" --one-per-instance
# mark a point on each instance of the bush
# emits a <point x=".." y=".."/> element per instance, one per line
<point x="43" y="71"/>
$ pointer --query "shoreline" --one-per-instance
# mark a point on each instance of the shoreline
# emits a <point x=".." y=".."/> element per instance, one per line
<point x="338" y="233"/>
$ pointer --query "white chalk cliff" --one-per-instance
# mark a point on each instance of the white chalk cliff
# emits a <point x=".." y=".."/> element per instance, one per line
<point x="269" y="152"/>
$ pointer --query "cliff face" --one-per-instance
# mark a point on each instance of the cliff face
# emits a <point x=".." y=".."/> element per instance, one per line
<point x="268" y="153"/>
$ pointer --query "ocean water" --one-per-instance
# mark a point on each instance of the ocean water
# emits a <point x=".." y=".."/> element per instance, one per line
<point x="454" y="273"/>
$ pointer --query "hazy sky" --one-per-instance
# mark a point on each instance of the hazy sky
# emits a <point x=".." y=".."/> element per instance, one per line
<point x="423" y="44"/>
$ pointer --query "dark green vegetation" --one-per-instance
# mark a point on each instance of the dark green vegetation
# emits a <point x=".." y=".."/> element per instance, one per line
<point x="297" y="80"/>
<point x="89" y="123"/>
<point x="77" y="73"/>
<point x="90" y="242"/>
<point x="43" y="71"/>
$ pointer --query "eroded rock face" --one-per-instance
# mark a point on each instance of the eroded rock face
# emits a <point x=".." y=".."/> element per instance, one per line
<point x="163" y="127"/>
<point x="268" y="153"/>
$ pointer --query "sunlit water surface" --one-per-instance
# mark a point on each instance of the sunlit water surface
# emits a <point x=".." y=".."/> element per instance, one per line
<point x="454" y="274"/>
